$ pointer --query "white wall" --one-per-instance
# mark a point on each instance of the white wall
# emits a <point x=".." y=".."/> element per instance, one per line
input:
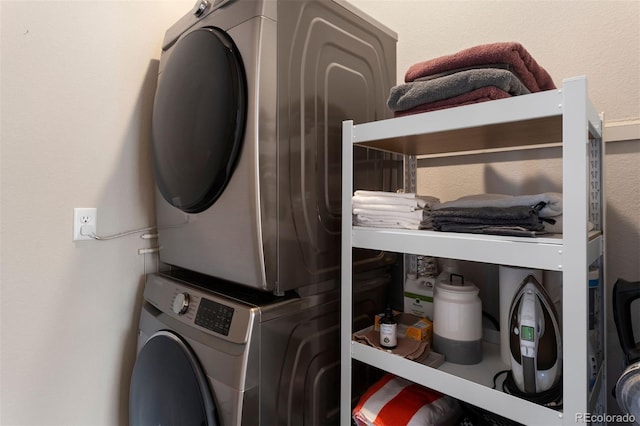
<point x="77" y="79"/>
<point x="77" y="83"/>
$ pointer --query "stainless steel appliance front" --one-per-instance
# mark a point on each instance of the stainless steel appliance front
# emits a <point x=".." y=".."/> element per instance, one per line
<point x="247" y="132"/>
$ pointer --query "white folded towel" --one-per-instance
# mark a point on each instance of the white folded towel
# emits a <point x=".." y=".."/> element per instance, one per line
<point x="416" y="215"/>
<point x="378" y="198"/>
<point x="392" y="209"/>
<point x="386" y="194"/>
<point x="391" y="201"/>
<point x="385" y="207"/>
<point x="389" y="222"/>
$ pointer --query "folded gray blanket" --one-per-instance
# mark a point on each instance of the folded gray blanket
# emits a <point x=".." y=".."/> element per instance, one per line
<point x="522" y="221"/>
<point x="523" y="216"/>
<point x="552" y="200"/>
<point x="409" y="95"/>
<point x="513" y="231"/>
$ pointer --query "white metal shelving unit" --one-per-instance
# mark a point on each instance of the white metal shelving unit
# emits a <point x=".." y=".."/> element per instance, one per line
<point x="563" y="117"/>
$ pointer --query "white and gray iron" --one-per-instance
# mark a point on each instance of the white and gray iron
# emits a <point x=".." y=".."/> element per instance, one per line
<point x="534" y="339"/>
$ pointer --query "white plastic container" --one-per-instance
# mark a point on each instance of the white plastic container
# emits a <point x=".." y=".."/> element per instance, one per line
<point x="418" y="296"/>
<point x="457" y="323"/>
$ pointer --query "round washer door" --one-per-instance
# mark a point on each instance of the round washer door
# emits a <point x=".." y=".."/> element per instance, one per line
<point x="168" y="386"/>
<point x="198" y="120"/>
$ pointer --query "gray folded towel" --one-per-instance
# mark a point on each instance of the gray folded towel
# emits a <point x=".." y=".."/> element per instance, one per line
<point x="510" y="216"/>
<point x="552" y="200"/>
<point x="512" y="231"/>
<point x="410" y="95"/>
<point x="514" y="220"/>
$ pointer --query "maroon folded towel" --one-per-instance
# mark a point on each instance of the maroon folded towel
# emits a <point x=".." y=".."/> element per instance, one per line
<point x="520" y="62"/>
<point x="487" y="93"/>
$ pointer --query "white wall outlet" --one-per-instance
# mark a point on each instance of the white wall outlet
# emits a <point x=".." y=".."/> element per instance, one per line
<point x="85" y="222"/>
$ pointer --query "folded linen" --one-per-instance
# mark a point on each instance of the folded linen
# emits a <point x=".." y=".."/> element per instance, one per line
<point x="362" y="197"/>
<point x="482" y="94"/>
<point x="396" y="401"/>
<point x="512" y="231"/>
<point x="416" y="215"/>
<point x="368" y="193"/>
<point x="410" y="95"/>
<point x="392" y="210"/>
<point x="390" y="201"/>
<point x="552" y="200"/>
<point x="386" y="207"/>
<point x="512" y="220"/>
<point x="532" y="75"/>
<point x="391" y="222"/>
<point x="513" y="216"/>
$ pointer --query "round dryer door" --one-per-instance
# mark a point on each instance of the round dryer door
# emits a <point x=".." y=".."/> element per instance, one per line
<point x="168" y="386"/>
<point x="198" y="120"/>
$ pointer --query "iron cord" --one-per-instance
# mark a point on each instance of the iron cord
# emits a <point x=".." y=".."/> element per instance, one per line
<point x="551" y="398"/>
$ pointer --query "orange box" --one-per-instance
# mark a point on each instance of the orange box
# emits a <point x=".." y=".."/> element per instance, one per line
<point x="409" y="326"/>
<point x="420" y="330"/>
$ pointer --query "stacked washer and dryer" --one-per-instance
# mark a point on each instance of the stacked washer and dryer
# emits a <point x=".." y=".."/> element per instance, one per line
<point x="242" y="327"/>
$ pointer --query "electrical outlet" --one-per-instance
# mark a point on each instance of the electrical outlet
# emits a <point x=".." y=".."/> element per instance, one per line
<point x="85" y="219"/>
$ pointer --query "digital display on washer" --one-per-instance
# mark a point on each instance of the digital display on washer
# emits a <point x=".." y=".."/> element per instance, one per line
<point x="214" y="316"/>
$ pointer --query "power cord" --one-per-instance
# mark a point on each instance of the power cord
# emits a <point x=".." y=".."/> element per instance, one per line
<point x="120" y="234"/>
<point x="95" y="236"/>
<point x="551" y="398"/>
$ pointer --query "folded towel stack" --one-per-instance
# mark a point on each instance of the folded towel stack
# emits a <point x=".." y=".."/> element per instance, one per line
<point x="480" y="73"/>
<point x="395" y="401"/>
<point x="499" y="214"/>
<point x="392" y="210"/>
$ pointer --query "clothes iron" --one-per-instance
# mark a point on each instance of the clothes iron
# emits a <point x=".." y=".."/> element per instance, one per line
<point x="628" y="385"/>
<point x="534" y="339"/>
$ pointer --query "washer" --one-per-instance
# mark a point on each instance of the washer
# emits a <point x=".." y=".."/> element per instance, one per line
<point x="246" y="136"/>
<point x="239" y="356"/>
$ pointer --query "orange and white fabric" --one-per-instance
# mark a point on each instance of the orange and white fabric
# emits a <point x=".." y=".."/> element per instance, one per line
<point x="393" y="401"/>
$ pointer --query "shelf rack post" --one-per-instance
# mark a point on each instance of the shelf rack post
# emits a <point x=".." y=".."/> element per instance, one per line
<point x="575" y="158"/>
<point x="346" y="293"/>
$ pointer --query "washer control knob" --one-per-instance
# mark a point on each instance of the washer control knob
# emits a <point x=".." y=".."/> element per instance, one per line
<point x="181" y="303"/>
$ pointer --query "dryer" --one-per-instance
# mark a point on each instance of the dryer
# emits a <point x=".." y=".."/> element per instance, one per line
<point x="246" y="136"/>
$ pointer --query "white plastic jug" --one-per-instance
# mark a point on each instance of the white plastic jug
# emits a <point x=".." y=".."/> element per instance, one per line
<point x="457" y="323"/>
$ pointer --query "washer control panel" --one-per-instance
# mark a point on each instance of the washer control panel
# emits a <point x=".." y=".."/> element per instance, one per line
<point x="208" y="311"/>
<point x="214" y="316"/>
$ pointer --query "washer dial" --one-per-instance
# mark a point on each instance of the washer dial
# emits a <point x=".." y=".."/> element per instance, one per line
<point x="181" y="303"/>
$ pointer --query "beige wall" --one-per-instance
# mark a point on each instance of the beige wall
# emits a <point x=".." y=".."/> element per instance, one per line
<point x="599" y="39"/>
<point x="77" y="79"/>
